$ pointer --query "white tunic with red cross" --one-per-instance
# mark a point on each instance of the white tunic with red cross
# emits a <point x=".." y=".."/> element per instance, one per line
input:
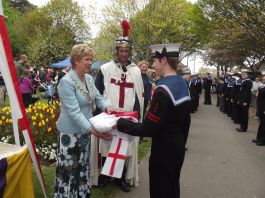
<point x="122" y="87"/>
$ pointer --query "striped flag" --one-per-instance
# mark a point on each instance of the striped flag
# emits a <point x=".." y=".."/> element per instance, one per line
<point x="7" y="68"/>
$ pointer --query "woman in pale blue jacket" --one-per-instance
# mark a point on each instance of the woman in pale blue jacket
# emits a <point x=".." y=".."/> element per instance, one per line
<point x="79" y="98"/>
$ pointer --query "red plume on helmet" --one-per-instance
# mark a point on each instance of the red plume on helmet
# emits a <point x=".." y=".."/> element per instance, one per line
<point x="125" y="28"/>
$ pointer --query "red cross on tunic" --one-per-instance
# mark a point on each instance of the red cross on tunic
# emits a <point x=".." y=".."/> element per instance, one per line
<point x="123" y="84"/>
<point x="116" y="156"/>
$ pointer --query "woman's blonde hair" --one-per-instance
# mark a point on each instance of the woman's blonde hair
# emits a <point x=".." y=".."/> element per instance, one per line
<point x="143" y="62"/>
<point x="80" y="51"/>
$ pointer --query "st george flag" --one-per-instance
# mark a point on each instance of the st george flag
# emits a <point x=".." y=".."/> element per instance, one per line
<point x="7" y="68"/>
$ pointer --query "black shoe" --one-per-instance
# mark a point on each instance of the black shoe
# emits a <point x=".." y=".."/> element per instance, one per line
<point x="238" y="129"/>
<point x="123" y="186"/>
<point x="241" y="130"/>
<point x="103" y="180"/>
<point x="261" y="143"/>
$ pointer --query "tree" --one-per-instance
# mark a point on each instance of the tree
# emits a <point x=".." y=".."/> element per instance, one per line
<point x="11" y="15"/>
<point x="49" y="32"/>
<point x="163" y="21"/>
<point x="22" y="6"/>
<point x="237" y="27"/>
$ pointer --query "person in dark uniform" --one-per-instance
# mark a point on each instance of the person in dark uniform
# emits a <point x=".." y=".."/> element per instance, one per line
<point x="244" y="100"/>
<point x="218" y="91"/>
<point x="229" y="95"/>
<point x="198" y="84"/>
<point x="186" y="74"/>
<point x="167" y="122"/>
<point x="235" y="99"/>
<point x="260" y="139"/>
<point x="207" y="87"/>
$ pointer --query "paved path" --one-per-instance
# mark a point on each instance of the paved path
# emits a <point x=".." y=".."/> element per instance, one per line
<point x="220" y="162"/>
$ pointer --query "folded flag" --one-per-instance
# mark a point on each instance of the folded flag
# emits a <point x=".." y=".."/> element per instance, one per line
<point x="115" y="160"/>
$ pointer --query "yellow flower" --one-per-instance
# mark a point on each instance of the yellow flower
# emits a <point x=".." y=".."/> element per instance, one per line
<point x="43" y="122"/>
<point x="47" y="120"/>
<point x="7" y="120"/>
<point x="37" y="114"/>
<point x="35" y="111"/>
<point x="40" y="124"/>
<point x="53" y="116"/>
<point x="41" y="116"/>
<point x="33" y="117"/>
<point x="10" y="120"/>
<point x="1" y="122"/>
<point x="29" y="110"/>
<point x="3" y="117"/>
<point x="48" y="110"/>
<point x="34" y="123"/>
<point x="49" y="129"/>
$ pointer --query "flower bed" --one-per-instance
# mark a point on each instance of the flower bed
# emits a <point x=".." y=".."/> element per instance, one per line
<point x="42" y="118"/>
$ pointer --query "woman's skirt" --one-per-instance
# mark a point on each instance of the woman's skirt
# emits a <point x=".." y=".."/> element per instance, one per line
<point x="72" y="167"/>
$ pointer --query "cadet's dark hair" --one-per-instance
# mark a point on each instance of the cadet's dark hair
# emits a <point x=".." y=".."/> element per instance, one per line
<point x="172" y="61"/>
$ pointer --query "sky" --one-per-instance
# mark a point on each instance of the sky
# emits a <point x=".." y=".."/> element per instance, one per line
<point x="99" y="5"/>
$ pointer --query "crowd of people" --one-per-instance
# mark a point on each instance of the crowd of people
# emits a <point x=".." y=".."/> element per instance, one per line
<point x="121" y="85"/>
<point x="163" y="109"/>
<point x="236" y="92"/>
<point x="31" y="79"/>
<point x="162" y="98"/>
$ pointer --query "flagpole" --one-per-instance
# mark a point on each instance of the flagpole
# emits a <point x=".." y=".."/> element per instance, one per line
<point x="10" y="77"/>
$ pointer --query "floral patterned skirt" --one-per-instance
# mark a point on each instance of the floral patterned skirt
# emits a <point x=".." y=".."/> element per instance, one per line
<point x="72" y="168"/>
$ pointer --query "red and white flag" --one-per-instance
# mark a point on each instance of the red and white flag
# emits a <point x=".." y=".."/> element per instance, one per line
<point x="7" y="68"/>
<point x="114" y="163"/>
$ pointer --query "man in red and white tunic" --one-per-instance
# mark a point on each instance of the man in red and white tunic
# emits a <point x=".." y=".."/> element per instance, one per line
<point x="120" y="82"/>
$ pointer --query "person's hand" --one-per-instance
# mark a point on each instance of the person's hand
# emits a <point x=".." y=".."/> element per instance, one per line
<point x="109" y="110"/>
<point x="104" y="136"/>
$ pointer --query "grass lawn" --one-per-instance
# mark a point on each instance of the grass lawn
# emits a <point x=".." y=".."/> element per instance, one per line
<point x="106" y="192"/>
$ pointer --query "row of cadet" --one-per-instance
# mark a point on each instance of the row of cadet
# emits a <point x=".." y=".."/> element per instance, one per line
<point x="196" y="84"/>
<point x="234" y="94"/>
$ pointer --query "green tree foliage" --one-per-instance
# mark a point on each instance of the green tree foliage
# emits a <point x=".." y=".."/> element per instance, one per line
<point x="237" y="31"/>
<point x="11" y="15"/>
<point x="110" y="30"/>
<point x="48" y="33"/>
<point x="170" y="21"/>
<point x="153" y="21"/>
<point x="21" y="5"/>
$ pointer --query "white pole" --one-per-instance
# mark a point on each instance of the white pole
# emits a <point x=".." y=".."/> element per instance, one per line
<point x="1" y="8"/>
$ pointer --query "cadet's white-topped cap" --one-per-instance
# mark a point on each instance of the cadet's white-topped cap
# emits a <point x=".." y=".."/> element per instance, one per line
<point x="263" y="73"/>
<point x="165" y="50"/>
<point x="244" y="70"/>
<point x="186" y="71"/>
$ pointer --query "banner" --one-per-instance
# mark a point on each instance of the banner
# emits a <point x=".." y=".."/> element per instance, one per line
<point x="7" y="68"/>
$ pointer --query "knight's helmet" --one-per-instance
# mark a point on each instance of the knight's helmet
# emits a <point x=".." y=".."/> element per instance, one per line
<point x="124" y="40"/>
